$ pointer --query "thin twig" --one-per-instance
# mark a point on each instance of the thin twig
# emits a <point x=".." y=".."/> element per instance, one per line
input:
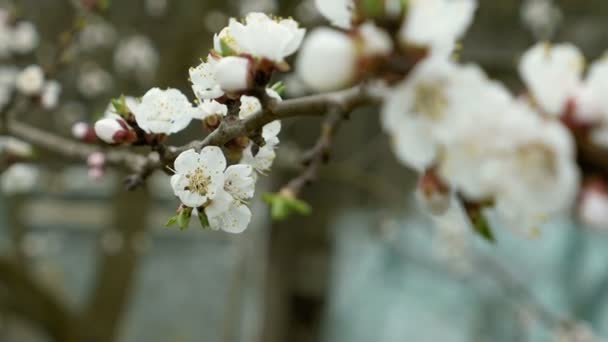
<point x="318" y="155"/>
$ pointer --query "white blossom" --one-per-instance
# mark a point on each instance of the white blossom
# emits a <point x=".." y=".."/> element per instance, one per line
<point x="431" y="102"/>
<point x="328" y="60"/>
<point x="199" y="177"/>
<point x="136" y="57"/>
<point x="30" y="80"/>
<point x="50" y="95"/>
<point x="163" y="111"/>
<point x="19" y="178"/>
<point x="263" y="37"/>
<point x="264" y="158"/>
<point x="522" y="162"/>
<point x="233" y="73"/>
<point x="437" y="23"/>
<point x="552" y="74"/>
<point x="209" y="108"/>
<point x="338" y="12"/>
<point x="93" y="81"/>
<point x="25" y="37"/>
<point x="80" y="130"/>
<point x="228" y="211"/>
<point x="228" y="214"/>
<point x="96" y="35"/>
<point x="204" y="80"/>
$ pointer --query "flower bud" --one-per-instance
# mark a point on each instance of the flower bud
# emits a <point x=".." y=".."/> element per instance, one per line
<point x="114" y="131"/>
<point x="327" y="60"/>
<point x="234" y="74"/>
<point x="96" y="159"/>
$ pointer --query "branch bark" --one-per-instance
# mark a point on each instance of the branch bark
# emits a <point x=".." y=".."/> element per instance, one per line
<point x="141" y="166"/>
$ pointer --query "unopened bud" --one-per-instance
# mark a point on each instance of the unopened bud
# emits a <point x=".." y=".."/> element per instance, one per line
<point x="234" y="74"/>
<point x="328" y="60"/>
<point x="97" y="159"/>
<point x="114" y="131"/>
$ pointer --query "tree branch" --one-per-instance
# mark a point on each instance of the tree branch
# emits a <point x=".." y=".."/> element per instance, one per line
<point x="141" y="166"/>
<point x="318" y="155"/>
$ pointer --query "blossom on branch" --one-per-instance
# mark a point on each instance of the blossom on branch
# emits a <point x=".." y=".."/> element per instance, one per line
<point x="163" y="111"/>
<point x="198" y="176"/>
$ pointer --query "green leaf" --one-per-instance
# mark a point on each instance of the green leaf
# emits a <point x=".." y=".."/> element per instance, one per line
<point x="203" y="219"/>
<point x="481" y="225"/>
<point x="183" y="218"/>
<point x="279" y="87"/>
<point x="227" y="50"/>
<point x="172" y="221"/>
<point x="299" y="206"/>
<point x="282" y="206"/>
<point x="120" y="106"/>
<point x="371" y="8"/>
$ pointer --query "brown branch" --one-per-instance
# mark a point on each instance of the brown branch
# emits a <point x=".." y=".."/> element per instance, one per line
<point x="315" y="105"/>
<point x="141" y="166"/>
<point x="318" y="155"/>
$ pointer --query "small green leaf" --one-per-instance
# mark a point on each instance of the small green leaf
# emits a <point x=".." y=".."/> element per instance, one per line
<point x="299" y="206"/>
<point x="120" y="106"/>
<point x="172" y="221"/>
<point x="279" y="87"/>
<point x="227" y="50"/>
<point x="183" y="218"/>
<point x="481" y="225"/>
<point x="371" y="8"/>
<point x="282" y="206"/>
<point x="203" y="219"/>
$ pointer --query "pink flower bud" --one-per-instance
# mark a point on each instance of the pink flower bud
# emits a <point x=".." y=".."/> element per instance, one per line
<point x="96" y="173"/>
<point x="114" y="131"/>
<point x="96" y="160"/>
<point x="80" y="130"/>
<point x="233" y="73"/>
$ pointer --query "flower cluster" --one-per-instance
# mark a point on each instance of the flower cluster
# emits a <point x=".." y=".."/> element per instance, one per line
<point x="232" y="84"/>
<point x="20" y="38"/>
<point x="374" y="34"/>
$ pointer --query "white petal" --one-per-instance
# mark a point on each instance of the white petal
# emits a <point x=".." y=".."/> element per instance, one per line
<point x="187" y="162"/>
<point x="204" y="82"/>
<point x="338" y="12"/>
<point x="238" y="181"/>
<point x="552" y="74"/>
<point x="421" y="24"/>
<point x="213" y="157"/>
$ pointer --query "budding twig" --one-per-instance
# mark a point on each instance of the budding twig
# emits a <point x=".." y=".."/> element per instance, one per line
<point x="318" y="155"/>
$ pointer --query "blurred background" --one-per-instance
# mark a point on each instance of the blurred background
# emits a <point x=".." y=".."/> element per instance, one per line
<point x="83" y="254"/>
